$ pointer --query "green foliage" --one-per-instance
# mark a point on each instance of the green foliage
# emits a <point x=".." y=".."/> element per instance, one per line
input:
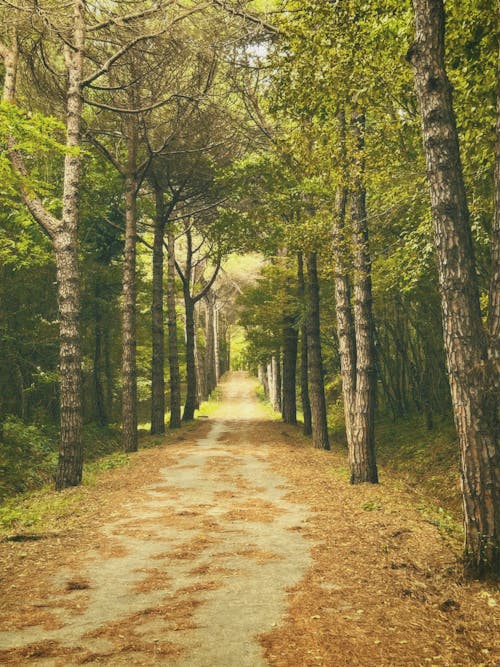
<point x="41" y="139"/>
<point x="28" y="457"/>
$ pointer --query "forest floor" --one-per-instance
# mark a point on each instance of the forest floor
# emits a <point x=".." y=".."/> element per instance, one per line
<point x="236" y="544"/>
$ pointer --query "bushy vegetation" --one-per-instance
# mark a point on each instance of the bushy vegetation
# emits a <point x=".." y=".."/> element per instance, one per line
<point x="28" y="453"/>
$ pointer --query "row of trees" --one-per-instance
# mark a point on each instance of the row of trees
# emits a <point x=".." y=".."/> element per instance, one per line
<point x="149" y="116"/>
<point x="347" y="175"/>
<point x="183" y="128"/>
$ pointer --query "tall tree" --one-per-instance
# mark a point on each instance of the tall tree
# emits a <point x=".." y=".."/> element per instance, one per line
<point x="473" y="377"/>
<point x="63" y="233"/>
<point x="304" y="366"/>
<point x="317" y="387"/>
<point x="188" y="279"/>
<point x="362" y="428"/>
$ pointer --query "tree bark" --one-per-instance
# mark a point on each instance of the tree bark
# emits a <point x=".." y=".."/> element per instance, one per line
<point x="129" y="361"/>
<point x="173" y="352"/>
<point x="201" y="383"/>
<point x="100" y="412"/>
<point x="494" y="295"/>
<point x="218" y="363"/>
<point x="290" y="344"/>
<point x="157" y="325"/>
<point x="304" y="366"/>
<point x="210" y="330"/>
<point x="191" y="390"/>
<point x="343" y="310"/>
<point x="273" y="374"/>
<point x="317" y="389"/>
<point x="472" y="375"/>
<point x="264" y="379"/>
<point x="362" y="452"/>
<point x="70" y="464"/>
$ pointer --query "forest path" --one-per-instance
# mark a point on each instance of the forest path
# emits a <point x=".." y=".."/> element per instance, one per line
<point x="238" y="545"/>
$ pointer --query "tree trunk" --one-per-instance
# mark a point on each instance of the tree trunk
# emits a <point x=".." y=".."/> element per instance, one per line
<point x="343" y="310"/>
<point x="218" y="364"/>
<point x="70" y="464"/>
<point x="273" y="375"/>
<point x="473" y="378"/>
<point x="264" y="380"/>
<point x="100" y="413"/>
<point x="201" y="380"/>
<point x="290" y="343"/>
<point x="304" y="366"/>
<point x="157" y="326"/>
<point x="317" y="389"/>
<point x="173" y="352"/>
<point x="210" y="328"/>
<point x="129" y="363"/>
<point x="191" y="389"/>
<point x="362" y="454"/>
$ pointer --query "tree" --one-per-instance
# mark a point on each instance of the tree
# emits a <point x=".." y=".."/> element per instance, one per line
<point x="355" y="328"/>
<point x="63" y="233"/>
<point x="317" y="389"/>
<point x="474" y="379"/>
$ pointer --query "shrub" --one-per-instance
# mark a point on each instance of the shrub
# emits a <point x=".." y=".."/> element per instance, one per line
<point x="28" y="456"/>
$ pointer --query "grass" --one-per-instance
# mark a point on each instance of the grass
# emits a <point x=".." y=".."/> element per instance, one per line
<point x="412" y="458"/>
<point x="425" y="461"/>
<point x="39" y="509"/>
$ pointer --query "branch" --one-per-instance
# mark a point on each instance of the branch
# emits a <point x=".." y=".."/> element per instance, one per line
<point x="151" y="107"/>
<point x="179" y="270"/>
<point x="106" y="153"/>
<point x="116" y="56"/>
<point x="248" y="17"/>
<point x="200" y="210"/>
<point x="207" y="287"/>
<point x="121" y="20"/>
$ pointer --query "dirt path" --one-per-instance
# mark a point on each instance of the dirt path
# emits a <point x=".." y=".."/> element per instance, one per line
<point x="238" y="545"/>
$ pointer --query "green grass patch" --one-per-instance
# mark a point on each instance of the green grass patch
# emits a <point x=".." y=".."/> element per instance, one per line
<point x="37" y="510"/>
<point x="208" y="407"/>
<point x="424" y="460"/>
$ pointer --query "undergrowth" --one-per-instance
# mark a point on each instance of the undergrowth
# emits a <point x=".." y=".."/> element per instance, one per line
<point x="419" y="460"/>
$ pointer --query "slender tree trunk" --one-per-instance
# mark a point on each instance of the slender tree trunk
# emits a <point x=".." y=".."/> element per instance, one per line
<point x="317" y="389"/>
<point x="345" y="321"/>
<point x="157" y="325"/>
<point x="279" y="382"/>
<point x="191" y="390"/>
<point x="210" y="363"/>
<point x="304" y="366"/>
<point x="100" y="412"/>
<point x="201" y="383"/>
<point x="264" y="379"/>
<point x="217" y="342"/>
<point x="129" y="362"/>
<point x="274" y="382"/>
<point x="473" y="377"/>
<point x="362" y="455"/>
<point x="173" y="352"/>
<point x="290" y="343"/>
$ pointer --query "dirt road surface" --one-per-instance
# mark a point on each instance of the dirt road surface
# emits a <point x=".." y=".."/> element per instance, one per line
<point x="238" y="545"/>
